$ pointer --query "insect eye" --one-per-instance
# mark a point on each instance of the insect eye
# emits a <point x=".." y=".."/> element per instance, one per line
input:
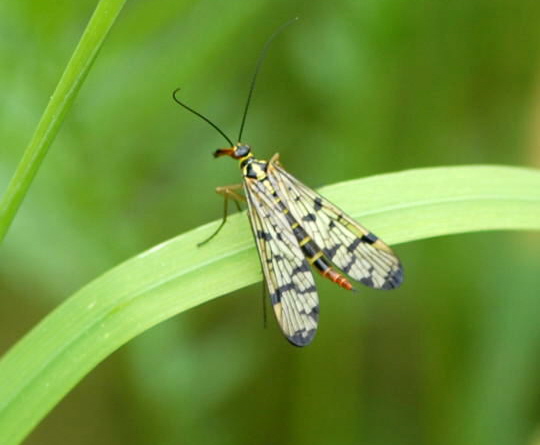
<point x="242" y="150"/>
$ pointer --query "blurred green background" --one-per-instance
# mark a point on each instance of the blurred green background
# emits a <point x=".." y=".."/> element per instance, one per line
<point x="355" y="88"/>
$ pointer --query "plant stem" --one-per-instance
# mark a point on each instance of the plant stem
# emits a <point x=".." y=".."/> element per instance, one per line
<point x="76" y="70"/>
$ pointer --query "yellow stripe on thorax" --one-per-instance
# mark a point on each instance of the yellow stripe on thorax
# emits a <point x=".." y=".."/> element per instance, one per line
<point x="246" y="157"/>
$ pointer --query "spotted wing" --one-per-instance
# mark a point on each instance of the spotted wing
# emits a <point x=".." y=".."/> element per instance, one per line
<point x="288" y="277"/>
<point x="347" y="244"/>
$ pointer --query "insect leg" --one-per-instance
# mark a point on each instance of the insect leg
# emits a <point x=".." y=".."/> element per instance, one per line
<point x="274" y="158"/>
<point x="228" y="191"/>
<point x="264" y="296"/>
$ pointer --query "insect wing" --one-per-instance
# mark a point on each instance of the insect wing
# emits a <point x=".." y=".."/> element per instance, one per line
<point x="287" y="273"/>
<point x="347" y="244"/>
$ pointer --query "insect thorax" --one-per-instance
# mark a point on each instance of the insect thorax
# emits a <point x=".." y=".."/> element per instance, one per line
<point x="252" y="168"/>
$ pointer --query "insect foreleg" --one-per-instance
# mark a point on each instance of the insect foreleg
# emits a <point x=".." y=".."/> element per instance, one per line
<point x="228" y="191"/>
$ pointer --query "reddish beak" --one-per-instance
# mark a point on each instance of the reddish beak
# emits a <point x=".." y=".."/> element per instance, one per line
<point x="224" y="152"/>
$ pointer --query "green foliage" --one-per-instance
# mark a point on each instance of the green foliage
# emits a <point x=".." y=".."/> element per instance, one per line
<point x="353" y="89"/>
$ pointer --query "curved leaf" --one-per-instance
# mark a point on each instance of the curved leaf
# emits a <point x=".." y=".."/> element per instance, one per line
<point x="176" y="275"/>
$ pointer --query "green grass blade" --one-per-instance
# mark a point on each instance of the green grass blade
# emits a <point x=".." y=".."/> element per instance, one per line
<point x="76" y="70"/>
<point x="176" y="275"/>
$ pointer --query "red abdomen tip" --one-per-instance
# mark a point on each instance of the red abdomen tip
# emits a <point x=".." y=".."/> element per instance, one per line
<point x="337" y="278"/>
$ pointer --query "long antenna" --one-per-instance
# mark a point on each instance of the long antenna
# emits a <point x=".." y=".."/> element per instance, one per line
<point x="204" y="118"/>
<point x="262" y="56"/>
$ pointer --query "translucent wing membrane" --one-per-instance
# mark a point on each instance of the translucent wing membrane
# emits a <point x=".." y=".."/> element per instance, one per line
<point x="351" y="247"/>
<point x="294" y="227"/>
<point x="287" y="273"/>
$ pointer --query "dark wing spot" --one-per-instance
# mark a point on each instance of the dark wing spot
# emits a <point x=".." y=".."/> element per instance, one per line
<point x="331" y="252"/>
<point x="352" y="247"/>
<point x="369" y="238"/>
<point x="347" y="268"/>
<point x="313" y="314"/>
<point x="367" y="281"/>
<point x="276" y="258"/>
<point x="263" y="235"/>
<point x="317" y="204"/>
<point x="308" y="290"/>
<point x="393" y="279"/>
<point x="310" y="217"/>
<point x="303" y="268"/>
<point x="284" y="288"/>
<point x="275" y="297"/>
<point x="302" y="337"/>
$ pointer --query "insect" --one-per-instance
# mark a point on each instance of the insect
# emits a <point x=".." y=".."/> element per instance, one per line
<point x="297" y="230"/>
